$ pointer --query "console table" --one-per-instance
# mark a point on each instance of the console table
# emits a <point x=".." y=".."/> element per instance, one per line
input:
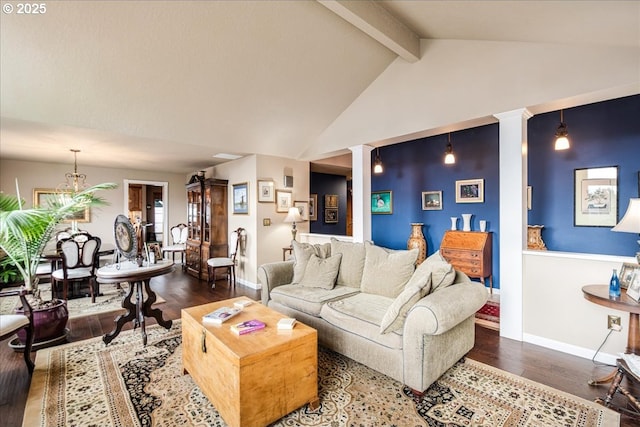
<point x="139" y="279"/>
<point x="599" y="294"/>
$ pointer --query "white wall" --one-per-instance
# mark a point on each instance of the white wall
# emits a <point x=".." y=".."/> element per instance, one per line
<point x="33" y="175"/>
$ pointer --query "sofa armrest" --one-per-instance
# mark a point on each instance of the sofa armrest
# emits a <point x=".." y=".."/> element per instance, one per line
<point x="445" y="308"/>
<point x="272" y="275"/>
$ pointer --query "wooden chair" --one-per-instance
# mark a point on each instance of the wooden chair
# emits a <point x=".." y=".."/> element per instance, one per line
<point x="79" y="262"/>
<point x="178" y="244"/>
<point x="633" y="404"/>
<point x="228" y="263"/>
<point x="12" y="323"/>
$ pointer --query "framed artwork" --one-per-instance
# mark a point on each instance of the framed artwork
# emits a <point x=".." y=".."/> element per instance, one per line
<point x="44" y="196"/>
<point x="283" y="201"/>
<point x="241" y="198"/>
<point x="125" y="237"/>
<point x="627" y="272"/>
<point x="331" y="216"/>
<point x="470" y="191"/>
<point x="330" y="201"/>
<point x="266" y="193"/>
<point x="382" y="202"/>
<point x="432" y="200"/>
<point x="633" y="291"/>
<point x="303" y="207"/>
<point x="596" y="197"/>
<point x="313" y="207"/>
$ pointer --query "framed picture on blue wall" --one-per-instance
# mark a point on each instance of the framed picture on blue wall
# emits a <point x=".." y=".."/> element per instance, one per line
<point x="432" y="200"/>
<point x="382" y="202"/>
<point x="596" y="197"/>
<point x="470" y="191"/>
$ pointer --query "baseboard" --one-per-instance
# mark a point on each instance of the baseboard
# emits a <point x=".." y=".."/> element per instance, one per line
<point x="256" y="286"/>
<point x="586" y="353"/>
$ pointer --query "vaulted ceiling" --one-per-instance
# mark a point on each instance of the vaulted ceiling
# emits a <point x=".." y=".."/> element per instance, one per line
<point x="169" y="84"/>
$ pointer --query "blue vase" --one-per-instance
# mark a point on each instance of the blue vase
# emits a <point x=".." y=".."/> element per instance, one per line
<point x="614" y="285"/>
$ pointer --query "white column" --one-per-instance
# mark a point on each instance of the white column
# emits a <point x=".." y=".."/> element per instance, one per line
<point x="513" y="218"/>
<point x="361" y="197"/>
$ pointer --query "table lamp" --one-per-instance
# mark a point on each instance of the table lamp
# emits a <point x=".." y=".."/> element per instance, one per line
<point x="630" y="222"/>
<point x="293" y="216"/>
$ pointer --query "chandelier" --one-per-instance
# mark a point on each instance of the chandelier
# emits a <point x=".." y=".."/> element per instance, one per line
<point x="74" y="181"/>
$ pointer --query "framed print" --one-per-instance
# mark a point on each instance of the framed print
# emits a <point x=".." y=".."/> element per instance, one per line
<point x="44" y="196"/>
<point x="470" y="191"/>
<point x="241" y="198"/>
<point x="596" y="197"/>
<point x="529" y="196"/>
<point x="331" y="216"/>
<point x="626" y="273"/>
<point x="381" y="202"/>
<point x="432" y="200"/>
<point x="266" y="193"/>
<point x="330" y="201"/>
<point x="283" y="201"/>
<point x="313" y="207"/>
<point x="633" y="291"/>
<point x="303" y="207"/>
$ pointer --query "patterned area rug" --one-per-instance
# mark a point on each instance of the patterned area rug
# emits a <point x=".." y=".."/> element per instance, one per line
<point x="489" y="315"/>
<point x="110" y="300"/>
<point x="126" y="384"/>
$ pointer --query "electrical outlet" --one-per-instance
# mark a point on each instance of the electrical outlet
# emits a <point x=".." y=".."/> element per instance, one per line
<point x="613" y="322"/>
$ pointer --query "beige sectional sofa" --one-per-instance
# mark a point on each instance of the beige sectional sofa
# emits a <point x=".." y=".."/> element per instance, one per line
<point x="374" y="306"/>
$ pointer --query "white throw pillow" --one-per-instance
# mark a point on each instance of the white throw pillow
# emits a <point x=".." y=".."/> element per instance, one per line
<point x="397" y="312"/>
<point x="321" y="272"/>
<point x="386" y="271"/>
<point x="301" y="254"/>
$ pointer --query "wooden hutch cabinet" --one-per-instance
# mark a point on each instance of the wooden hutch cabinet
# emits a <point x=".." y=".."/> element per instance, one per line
<point x="469" y="252"/>
<point x="207" y="223"/>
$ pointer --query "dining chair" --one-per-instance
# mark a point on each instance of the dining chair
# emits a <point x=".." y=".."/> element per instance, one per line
<point x="79" y="262"/>
<point x="179" y="234"/>
<point x="12" y="323"/>
<point x="228" y="263"/>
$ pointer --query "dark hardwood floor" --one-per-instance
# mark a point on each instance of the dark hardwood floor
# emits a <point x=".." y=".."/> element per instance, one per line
<point x="555" y="369"/>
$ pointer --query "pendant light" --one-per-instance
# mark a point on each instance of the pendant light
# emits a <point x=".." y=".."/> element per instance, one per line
<point x="377" y="163"/>
<point x="562" y="140"/>
<point x="449" y="157"/>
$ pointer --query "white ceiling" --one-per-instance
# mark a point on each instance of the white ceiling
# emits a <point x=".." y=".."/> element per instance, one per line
<point x="168" y="84"/>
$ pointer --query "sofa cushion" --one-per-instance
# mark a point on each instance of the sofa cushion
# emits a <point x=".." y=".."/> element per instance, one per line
<point x="301" y="254"/>
<point x="386" y="271"/>
<point x="417" y="287"/>
<point x="442" y="275"/>
<point x="352" y="264"/>
<point x="361" y="314"/>
<point x="309" y="300"/>
<point x="321" y="272"/>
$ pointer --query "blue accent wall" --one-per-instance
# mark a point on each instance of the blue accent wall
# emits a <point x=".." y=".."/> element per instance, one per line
<point x="322" y="184"/>
<point x="416" y="166"/>
<point x="601" y="134"/>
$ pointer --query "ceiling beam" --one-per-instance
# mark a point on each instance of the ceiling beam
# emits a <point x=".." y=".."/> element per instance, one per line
<point x="376" y="22"/>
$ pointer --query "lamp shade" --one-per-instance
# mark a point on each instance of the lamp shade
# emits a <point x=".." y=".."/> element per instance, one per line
<point x="630" y="222"/>
<point x="293" y="216"/>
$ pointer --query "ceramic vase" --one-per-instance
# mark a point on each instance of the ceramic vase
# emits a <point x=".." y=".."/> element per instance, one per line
<point x="466" y="222"/>
<point x="417" y="241"/>
<point x="483" y="225"/>
<point x="454" y="223"/>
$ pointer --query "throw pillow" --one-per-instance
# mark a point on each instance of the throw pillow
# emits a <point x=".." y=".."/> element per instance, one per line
<point x="352" y="264"/>
<point x="442" y="275"/>
<point x="397" y="312"/>
<point x="386" y="271"/>
<point x="422" y="271"/>
<point x="301" y="254"/>
<point x="321" y="272"/>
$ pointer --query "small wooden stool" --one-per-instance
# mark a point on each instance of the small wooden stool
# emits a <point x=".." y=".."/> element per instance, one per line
<point x="622" y="370"/>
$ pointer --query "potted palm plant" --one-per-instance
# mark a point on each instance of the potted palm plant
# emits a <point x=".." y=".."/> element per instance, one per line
<point x="24" y="233"/>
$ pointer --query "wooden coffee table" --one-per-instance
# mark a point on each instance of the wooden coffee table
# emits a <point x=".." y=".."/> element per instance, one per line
<point x="256" y="378"/>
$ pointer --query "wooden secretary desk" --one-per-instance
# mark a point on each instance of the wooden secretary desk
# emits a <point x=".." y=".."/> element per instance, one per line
<point x="469" y="252"/>
<point x="207" y="223"/>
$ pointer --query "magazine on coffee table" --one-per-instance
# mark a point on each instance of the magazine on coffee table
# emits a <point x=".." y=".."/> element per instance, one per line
<point x="220" y="315"/>
<point x="247" y="326"/>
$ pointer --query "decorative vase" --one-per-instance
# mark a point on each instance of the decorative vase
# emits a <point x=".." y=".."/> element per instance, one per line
<point x="466" y="222"/>
<point x="534" y="237"/>
<point x="454" y="223"/>
<point x="483" y="225"/>
<point x="417" y="241"/>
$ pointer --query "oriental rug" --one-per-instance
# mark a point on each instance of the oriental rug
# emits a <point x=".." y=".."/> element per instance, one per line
<point x="489" y="315"/>
<point x="126" y="384"/>
<point x="110" y="300"/>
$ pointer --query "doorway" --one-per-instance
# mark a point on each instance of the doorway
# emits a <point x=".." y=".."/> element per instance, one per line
<point x="146" y="201"/>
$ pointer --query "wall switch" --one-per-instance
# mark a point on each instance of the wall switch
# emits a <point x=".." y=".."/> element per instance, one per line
<point x="613" y="322"/>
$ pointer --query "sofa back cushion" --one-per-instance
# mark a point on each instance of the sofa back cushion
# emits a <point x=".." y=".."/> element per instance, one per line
<point x="301" y="254"/>
<point x="321" y="272"/>
<point x="352" y="264"/>
<point x="387" y="271"/>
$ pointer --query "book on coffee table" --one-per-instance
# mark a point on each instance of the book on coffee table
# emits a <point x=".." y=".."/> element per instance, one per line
<point x="286" y="323"/>
<point x="220" y="315"/>
<point x="247" y="326"/>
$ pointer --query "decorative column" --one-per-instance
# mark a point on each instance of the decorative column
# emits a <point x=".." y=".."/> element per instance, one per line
<point x="361" y="196"/>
